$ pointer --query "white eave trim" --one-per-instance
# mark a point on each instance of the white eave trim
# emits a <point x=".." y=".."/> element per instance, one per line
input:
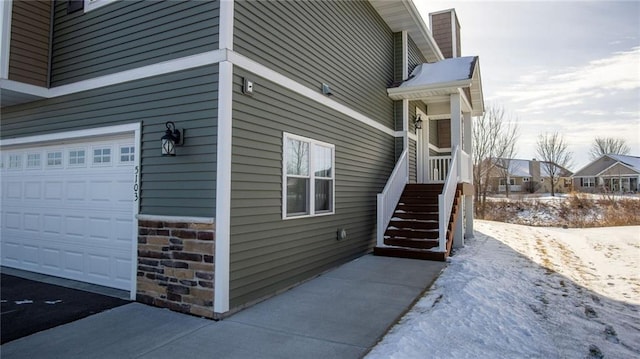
<point x="5" y="34"/>
<point x="161" y="68"/>
<point x="411" y="92"/>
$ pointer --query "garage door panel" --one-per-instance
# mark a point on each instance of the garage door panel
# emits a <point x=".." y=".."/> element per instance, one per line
<point x="12" y="220"/>
<point x="53" y="191"/>
<point x="32" y="222"/>
<point x="51" y="258"/>
<point x="14" y="190"/>
<point x="76" y="191"/>
<point x="30" y="255"/>
<point x="52" y="224"/>
<point x="33" y="190"/>
<point x="73" y="218"/>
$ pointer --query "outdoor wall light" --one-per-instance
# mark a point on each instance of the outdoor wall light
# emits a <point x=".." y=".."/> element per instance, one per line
<point x="418" y="122"/>
<point x="171" y="139"/>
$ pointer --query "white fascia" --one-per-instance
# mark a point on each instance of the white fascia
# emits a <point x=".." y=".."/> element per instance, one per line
<point x="223" y="189"/>
<point x="5" y="36"/>
<point x="399" y="93"/>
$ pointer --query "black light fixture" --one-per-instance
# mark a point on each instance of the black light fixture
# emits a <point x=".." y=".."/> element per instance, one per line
<point x="171" y="139"/>
<point x="418" y="122"/>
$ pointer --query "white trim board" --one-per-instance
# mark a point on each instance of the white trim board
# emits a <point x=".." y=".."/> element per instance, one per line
<point x="223" y="190"/>
<point x="100" y="131"/>
<point x="161" y="68"/>
<point x="5" y="31"/>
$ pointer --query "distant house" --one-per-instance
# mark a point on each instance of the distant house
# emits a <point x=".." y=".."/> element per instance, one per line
<point x="526" y="176"/>
<point x="609" y="173"/>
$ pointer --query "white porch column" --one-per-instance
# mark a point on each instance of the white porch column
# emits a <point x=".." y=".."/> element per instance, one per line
<point x="468" y="216"/>
<point x="459" y="234"/>
<point x="466" y="138"/>
<point x="456" y="125"/>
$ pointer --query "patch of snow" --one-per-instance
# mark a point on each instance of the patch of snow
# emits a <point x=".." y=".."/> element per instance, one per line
<point x="25" y="301"/>
<point x="528" y="292"/>
<point x="53" y="301"/>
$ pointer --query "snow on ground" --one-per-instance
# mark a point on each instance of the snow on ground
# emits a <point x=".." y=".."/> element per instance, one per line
<point x="529" y="292"/>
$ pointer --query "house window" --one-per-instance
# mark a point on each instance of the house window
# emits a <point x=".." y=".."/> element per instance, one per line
<point x="15" y="161"/>
<point x="33" y="160"/>
<point x="77" y="157"/>
<point x="588" y="182"/>
<point x="102" y="156"/>
<point x="526" y="179"/>
<point x="503" y="181"/>
<point x="308" y="177"/>
<point x="54" y="159"/>
<point x="126" y="154"/>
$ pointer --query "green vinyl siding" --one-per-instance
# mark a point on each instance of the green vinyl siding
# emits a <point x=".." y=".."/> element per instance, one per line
<point x="268" y="253"/>
<point x="183" y="185"/>
<point x="129" y="34"/>
<point x="344" y="44"/>
<point x="397" y="58"/>
<point x="415" y="56"/>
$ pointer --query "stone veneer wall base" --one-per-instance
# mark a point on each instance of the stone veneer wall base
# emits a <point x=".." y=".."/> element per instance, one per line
<point x="175" y="265"/>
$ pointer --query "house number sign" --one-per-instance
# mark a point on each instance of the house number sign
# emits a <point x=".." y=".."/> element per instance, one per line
<point x="135" y="186"/>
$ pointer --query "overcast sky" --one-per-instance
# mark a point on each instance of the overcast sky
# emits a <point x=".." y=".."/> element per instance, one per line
<point x="571" y="67"/>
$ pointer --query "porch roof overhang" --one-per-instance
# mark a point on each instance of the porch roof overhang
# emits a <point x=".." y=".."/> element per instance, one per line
<point x="444" y="77"/>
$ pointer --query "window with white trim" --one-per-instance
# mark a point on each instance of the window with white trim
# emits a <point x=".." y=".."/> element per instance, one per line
<point x="77" y="157"/>
<point x="15" y="161"/>
<point x="102" y="156"/>
<point x="503" y="181"/>
<point x="588" y="182"/>
<point x="526" y="179"/>
<point x="54" y="159"/>
<point x="308" y="177"/>
<point x="126" y="154"/>
<point x="33" y="160"/>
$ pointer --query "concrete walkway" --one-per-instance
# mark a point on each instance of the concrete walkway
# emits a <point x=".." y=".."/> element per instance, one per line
<point x="340" y="314"/>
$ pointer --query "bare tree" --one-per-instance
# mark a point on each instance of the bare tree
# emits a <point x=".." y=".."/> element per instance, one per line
<point x="554" y="156"/>
<point x="493" y="137"/>
<point x="608" y="145"/>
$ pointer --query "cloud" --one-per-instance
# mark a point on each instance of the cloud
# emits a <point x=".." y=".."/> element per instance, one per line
<point x="569" y="86"/>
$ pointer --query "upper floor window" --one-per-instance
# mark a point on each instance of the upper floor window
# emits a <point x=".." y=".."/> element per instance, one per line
<point x="308" y="176"/>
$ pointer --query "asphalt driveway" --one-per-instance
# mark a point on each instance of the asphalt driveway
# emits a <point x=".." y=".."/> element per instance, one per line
<point x="29" y="306"/>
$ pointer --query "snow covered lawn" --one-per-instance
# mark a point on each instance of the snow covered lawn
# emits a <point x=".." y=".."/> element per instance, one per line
<point x="529" y="292"/>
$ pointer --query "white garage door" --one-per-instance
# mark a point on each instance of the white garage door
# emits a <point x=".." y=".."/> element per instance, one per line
<point x="68" y="209"/>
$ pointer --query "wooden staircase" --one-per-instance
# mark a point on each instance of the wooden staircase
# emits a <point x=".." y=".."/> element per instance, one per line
<point x="413" y="229"/>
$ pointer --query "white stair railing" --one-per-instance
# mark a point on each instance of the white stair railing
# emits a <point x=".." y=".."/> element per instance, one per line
<point x="445" y="201"/>
<point x="438" y="168"/>
<point x="388" y="199"/>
